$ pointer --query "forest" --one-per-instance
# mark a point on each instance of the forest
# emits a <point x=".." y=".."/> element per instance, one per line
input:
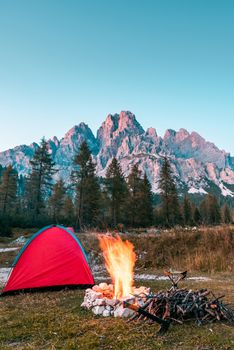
<point x="87" y="201"/>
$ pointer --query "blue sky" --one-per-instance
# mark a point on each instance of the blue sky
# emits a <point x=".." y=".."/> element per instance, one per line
<point x="171" y="62"/>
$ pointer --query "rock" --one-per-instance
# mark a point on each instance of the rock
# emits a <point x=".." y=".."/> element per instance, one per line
<point x="88" y="290"/>
<point x="120" y="311"/>
<point x="112" y="302"/>
<point x="106" y="313"/>
<point x="99" y="302"/>
<point x="109" y="308"/>
<point x="95" y="296"/>
<point x="87" y="305"/>
<point x="20" y="241"/>
<point x="98" y="310"/>
<point x="96" y="288"/>
<point x="103" y="286"/>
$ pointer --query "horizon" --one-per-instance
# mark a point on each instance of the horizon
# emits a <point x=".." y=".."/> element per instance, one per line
<point x="169" y="63"/>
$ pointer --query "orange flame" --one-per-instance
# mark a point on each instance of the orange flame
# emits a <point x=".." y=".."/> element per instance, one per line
<point x="119" y="260"/>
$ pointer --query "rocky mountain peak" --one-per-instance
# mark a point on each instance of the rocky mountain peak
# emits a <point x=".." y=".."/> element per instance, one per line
<point x="74" y="137"/>
<point x="81" y="128"/>
<point x="182" y="134"/>
<point x="196" y="163"/>
<point x="115" y="125"/>
<point x="127" y="121"/>
<point x="107" y="128"/>
<point x="151" y="132"/>
<point x="169" y="134"/>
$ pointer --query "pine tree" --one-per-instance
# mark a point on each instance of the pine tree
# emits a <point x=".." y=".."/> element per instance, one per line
<point x="204" y="211"/>
<point x="116" y="191"/>
<point x="187" y="211"/>
<point x="197" y="216"/>
<point x="134" y="184"/>
<point x="214" y="210"/>
<point x="227" y="217"/>
<point x="8" y="191"/>
<point x="146" y="203"/>
<point x="39" y="183"/>
<point x="210" y="210"/>
<point x="169" y="198"/>
<point x="87" y="188"/>
<point x="69" y="211"/>
<point x="56" y="201"/>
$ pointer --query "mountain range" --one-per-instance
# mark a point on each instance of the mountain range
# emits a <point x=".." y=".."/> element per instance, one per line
<point x="198" y="166"/>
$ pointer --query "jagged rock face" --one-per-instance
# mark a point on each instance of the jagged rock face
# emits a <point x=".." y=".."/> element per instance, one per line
<point x="19" y="157"/>
<point x="117" y="137"/>
<point x="70" y="144"/>
<point x="185" y="145"/>
<point x="195" y="162"/>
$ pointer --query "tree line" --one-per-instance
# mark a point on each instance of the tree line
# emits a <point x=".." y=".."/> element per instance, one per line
<point x="90" y="201"/>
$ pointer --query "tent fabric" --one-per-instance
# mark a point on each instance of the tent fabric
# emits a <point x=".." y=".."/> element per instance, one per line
<point x="53" y="257"/>
<point x="71" y="229"/>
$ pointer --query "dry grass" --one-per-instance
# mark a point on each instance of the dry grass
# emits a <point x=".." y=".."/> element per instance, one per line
<point x="208" y="249"/>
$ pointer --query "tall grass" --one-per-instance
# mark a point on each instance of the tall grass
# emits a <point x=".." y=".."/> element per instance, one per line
<point x="207" y="249"/>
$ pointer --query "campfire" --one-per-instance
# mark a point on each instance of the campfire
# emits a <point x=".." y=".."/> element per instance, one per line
<point x="123" y="299"/>
<point x="107" y="299"/>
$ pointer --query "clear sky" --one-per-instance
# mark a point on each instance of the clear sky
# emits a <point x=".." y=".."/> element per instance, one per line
<point x="171" y="62"/>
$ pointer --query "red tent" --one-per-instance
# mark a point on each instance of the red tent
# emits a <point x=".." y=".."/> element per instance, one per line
<point x="53" y="257"/>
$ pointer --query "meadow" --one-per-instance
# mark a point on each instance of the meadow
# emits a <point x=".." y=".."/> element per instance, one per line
<point x="54" y="320"/>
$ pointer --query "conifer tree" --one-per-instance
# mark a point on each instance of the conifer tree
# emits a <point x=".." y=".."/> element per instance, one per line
<point x="187" y="211"/>
<point x="116" y="191"/>
<point x="139" y="199"/>
<point x="227" y="217"/>
<point x="214" y="210"/>
<point x="8" y="191"/>
<point x="134" y="183"/>
<point x="87" y="188"/>
<point x="197" y="216"/>
<point x="146" y="203"/>
<point x="204" y="211"/>
<point x="57" y="201"/>
<point x="210" y="210"/>
<point x="68" y="211"/>
<point x="39" y="183"/>
<point x="169" y="198"/>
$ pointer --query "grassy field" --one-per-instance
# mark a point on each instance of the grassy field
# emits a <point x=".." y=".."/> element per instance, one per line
<point x="205" y="249"/>
<point x="54" y="320"/>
